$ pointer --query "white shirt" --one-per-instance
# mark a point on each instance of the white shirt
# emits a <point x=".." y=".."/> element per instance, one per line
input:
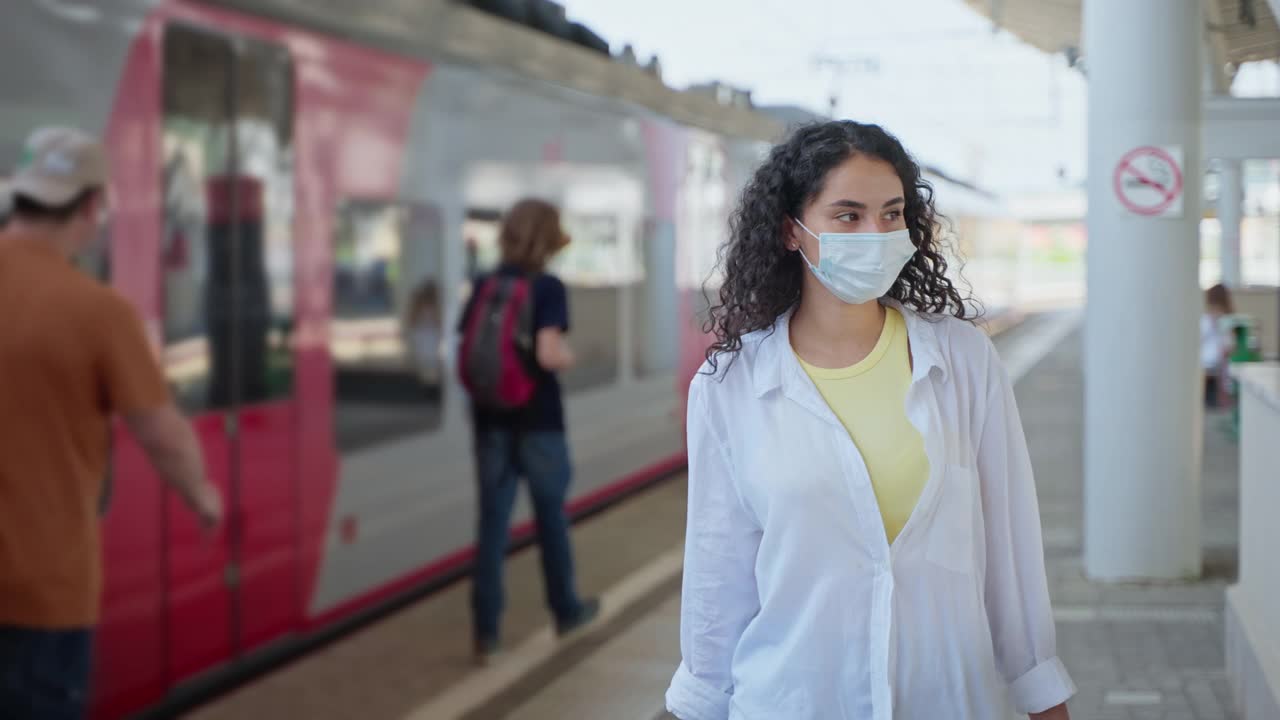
<point x="1213" y="343"/>
<point x="794" y="604"/>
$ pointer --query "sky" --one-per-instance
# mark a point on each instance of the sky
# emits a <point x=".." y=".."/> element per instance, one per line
<point x="972" y="101"/>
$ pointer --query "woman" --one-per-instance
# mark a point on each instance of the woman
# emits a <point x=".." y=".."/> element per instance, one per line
<point x="528" y="441"/>
<point x="1215" y="345"/>
<point x="863" y="539"/>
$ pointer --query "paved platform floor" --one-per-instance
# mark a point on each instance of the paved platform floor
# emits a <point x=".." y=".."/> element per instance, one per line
<point x="390" y="668"/>
<point x="1150" y="650"/>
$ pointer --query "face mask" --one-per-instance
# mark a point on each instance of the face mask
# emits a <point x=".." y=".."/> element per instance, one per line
<point x="860" y="267"/>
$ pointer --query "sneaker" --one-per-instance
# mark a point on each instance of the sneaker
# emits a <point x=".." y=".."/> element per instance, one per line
<point x="486" y="649"/>
<point x="590" y="609"/>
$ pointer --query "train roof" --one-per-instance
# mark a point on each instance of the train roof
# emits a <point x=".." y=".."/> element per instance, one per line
<point x="443" y="30"/>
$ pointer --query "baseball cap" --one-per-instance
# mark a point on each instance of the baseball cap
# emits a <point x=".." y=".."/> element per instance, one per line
<point x="58" y="164"/>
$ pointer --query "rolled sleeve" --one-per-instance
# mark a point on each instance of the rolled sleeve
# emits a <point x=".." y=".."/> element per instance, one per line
<point x="719" y="596"/>
<point x="689" y="698"/>
<point x="1045" y="686"/>
<point x="1016" y="589"/>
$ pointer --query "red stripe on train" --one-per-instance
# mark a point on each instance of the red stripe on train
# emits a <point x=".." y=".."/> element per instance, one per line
<point x="459" y="559"/>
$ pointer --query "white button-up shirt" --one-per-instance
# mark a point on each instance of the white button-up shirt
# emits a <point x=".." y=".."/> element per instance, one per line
<point x="795" y="605"/>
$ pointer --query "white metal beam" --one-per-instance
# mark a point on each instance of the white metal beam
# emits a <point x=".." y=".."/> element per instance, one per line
<point x="1242" y="128"/>
<point x="1221" y="84"/>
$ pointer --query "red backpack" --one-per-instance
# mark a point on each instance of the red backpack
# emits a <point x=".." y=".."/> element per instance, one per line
<point x="497" y="343"/>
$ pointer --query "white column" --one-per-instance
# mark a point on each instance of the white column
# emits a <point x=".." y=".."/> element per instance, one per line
<point x="1230" y="215"/>
<point x="1142" y="375"/>
<point x="1252" y="617"/>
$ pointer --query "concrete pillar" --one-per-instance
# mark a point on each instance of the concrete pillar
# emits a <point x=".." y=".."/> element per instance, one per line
<point x="1142" y="375"/>
<point x="1230" y="215"/>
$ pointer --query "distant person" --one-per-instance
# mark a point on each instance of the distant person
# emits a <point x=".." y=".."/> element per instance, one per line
<point x="863" y="538"/>
<point x="1215" y="344"/>
<point x="72" y="355"/>
<point x="472" y="249"/>
<point x="513" y="344"/>
<point x="424" y="330"/>
<point x="6" y="203"/>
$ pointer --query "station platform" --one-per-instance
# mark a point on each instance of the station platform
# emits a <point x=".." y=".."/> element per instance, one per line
<point x="1150" y="650"/>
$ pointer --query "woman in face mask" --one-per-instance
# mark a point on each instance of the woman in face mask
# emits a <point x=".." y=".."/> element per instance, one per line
<point x="863" y="539"/>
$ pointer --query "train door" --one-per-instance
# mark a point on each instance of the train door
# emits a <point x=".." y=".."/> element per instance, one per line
<point x="266" y="548"/>
<point x="227" y="285"/>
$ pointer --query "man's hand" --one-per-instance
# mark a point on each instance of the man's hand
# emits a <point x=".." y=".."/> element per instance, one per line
<point x="206" y="502"/>
<point x="171" y="445"/>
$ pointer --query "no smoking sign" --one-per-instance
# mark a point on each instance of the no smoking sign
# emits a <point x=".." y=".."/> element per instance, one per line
<point x="1148" y="181"/>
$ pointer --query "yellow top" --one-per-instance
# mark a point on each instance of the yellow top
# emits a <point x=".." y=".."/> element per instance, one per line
<point x="869" y="398"/>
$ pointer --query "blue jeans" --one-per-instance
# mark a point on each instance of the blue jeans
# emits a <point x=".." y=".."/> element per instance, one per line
<point x="44" y="674"/>
<point x="542" y="458"/>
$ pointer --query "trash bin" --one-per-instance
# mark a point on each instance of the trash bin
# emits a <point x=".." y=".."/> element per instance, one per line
<point x="1245" y="349"/>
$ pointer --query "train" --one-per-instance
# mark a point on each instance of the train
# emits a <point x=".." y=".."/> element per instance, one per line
<point x="302" y="192"/>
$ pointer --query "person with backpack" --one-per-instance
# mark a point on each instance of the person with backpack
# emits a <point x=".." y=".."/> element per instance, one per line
<point x="513" y="345"/>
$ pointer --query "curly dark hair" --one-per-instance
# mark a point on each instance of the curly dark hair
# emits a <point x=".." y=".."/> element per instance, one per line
<point x="762" y="279"/>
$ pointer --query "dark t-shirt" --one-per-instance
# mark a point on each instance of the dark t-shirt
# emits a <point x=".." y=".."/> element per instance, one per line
<point x="545" y="412"/>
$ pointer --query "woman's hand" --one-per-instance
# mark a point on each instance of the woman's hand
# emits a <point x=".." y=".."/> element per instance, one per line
<point x="1053" y="713"/>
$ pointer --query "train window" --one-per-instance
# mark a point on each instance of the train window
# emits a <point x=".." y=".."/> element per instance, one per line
<point x="480" y="235"/>
<point x="195" y="252"/>
<point x="595" y="266"/>
<point x="605" y="251"/>
<point x="227" y="245"/>
<point x="387" y="336"/>
<point x="263" y="101"/>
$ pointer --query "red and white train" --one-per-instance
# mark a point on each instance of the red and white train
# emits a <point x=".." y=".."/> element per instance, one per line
<point x="301" y="191"/>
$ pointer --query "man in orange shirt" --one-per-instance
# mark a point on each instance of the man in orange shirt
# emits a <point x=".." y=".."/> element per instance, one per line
<point x="73" y="354"/>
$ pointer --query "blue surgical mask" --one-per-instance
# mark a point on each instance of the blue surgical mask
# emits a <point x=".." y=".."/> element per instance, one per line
<point x="860" y="267"/>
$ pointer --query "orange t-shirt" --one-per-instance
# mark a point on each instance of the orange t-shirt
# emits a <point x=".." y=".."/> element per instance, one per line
<point x="72" y="354"/>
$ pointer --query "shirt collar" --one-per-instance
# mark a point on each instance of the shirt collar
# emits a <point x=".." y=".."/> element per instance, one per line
<point x="775" y="361"/>
<point x="28" y="243"/>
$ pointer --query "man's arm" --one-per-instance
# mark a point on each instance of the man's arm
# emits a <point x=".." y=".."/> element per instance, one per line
<point x="167" y="439"/>
<point x="134" y="388"/>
